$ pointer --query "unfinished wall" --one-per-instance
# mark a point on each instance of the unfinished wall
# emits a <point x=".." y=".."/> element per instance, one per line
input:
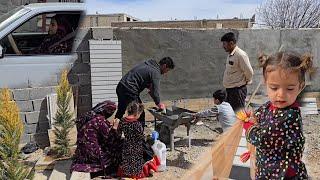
<point x="205" y="23"/>
<point x="200" y="59"/>
<point x="32" y="102"/>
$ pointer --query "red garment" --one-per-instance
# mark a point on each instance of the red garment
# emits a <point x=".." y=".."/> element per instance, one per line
<point x="290" y="172"/>
<point x="148" y="168"/>
<point x="294" y="105"/>
<point x="247" y="125"/>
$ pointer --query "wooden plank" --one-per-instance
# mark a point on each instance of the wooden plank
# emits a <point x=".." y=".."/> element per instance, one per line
<point x="309" y="106"/>
<point x="106" y="78"/>
<point x="309" y="99"/>
<point x="104" y="83"/>
<point x="105" y="51"/>
<point x="107" y="65"/>
<point x="106" y="69"/>
<point x="105" y="60"/>
<point x="103" y="87"/>
<point x="105" y="56"/>
<point x="97" y="92"/>
<point x="105" y="46"/>
<point x="110" y="69"/>
<point x="80" y="176"/>
<point x="103" y="96"/>
<point x="103" y="74"/>
<point x="113" y="42"/>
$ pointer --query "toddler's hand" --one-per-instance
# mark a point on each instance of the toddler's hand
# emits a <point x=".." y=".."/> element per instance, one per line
<point x="115" y="123"/>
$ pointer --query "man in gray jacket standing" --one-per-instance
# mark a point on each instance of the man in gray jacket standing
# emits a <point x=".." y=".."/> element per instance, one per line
<point x="238" y="72"/>
<point x="144" y="75"/>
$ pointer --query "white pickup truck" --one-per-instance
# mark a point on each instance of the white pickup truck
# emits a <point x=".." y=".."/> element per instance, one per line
<point x="29" y="48"/>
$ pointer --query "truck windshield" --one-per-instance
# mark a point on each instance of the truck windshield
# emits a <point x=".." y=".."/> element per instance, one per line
<point x="11" y="16"/>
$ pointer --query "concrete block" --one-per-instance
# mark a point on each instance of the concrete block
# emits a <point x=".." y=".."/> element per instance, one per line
<point x="30" y="128"/>
<point x="32" y="117"/>
<point x="84" y="79"/>
<point x="81" y="41"/>
<point x="84" y="100"/>
<point x="42" y="139"/>
<point x="80" y="175"/>
<point x="80" y="68"/>
<point x="85" y="90"/>
<point x="41" y="92"/>
<point x="25" y="106"/>
<point x="83" y="109"/>
<point x="61" y="170"/>
<point x="43" y="116"/>
<point x="85" y="57"/>
<point x="21" y="94"/>
<point x="102" y="33"/>
<point x="25" y="138"/>
<point x="39" y="104"/>
<point x="73" y="78"/>
<point x="23" y="117"/>
<point x="43" y="127"/>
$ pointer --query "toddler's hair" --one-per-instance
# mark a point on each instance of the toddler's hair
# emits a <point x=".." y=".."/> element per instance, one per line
<point x="135" y="108"/>
<point x="287" y="60"/>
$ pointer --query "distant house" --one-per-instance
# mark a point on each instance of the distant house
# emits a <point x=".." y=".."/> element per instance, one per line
<point x="205" y="23"/>
<point x="105" y="20"/>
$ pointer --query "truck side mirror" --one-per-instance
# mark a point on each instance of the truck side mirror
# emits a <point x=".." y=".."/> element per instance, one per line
<point x="1" y="52"/>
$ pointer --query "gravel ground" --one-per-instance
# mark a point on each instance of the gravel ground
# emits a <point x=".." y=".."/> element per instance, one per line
<point x="312" y="147"/>
<point x="183" y="158"/>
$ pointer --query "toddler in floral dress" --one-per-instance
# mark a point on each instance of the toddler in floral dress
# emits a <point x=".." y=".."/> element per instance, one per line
<point x="276" y="128"/>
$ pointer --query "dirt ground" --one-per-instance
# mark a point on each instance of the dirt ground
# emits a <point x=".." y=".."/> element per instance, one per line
<point x="204" y="136"/>
<point x="312" y="146"/>
<point x="183" y="158"/>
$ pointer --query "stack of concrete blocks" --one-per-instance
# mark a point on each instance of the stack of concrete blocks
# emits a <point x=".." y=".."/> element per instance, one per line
<point x="33" y="113"/>
<point x="80" y="74"/>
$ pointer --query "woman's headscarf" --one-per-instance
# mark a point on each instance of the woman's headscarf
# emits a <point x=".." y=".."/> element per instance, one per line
<point x="105" y="108"/>
<point x="49" y="43"/>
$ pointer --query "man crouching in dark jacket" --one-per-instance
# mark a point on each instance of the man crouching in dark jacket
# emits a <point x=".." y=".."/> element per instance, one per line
<point x="144" y="75"/>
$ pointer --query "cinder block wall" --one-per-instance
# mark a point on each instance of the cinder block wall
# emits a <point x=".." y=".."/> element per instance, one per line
<point x="33" y="112"/>
<point x="199" y="61"/>
<point x="200" y="58"/>
<point x="227" y="23"/>
<point x="32" y="102"/>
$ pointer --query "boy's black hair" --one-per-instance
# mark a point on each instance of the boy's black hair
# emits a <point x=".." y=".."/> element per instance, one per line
<point x="167" y="61"/>
<point x="228" y="37"/>
<point x="220" y="95"/>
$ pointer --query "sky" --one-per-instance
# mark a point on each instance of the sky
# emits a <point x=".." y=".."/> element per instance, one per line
<point x="155" y="10"/>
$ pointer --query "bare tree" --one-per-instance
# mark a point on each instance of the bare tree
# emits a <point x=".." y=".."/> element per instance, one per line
<point x="290" y="13"/>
